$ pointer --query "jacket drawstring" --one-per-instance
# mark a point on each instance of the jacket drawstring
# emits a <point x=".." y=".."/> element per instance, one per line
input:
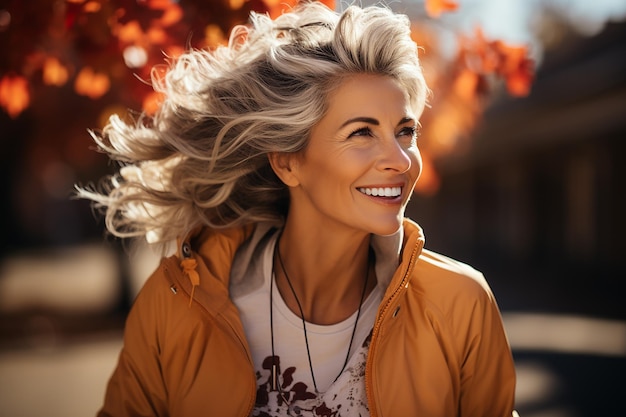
<point x="189" y="267"/>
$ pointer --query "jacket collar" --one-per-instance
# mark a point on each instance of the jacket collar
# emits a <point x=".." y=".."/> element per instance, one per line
<point x="206" y="255"/>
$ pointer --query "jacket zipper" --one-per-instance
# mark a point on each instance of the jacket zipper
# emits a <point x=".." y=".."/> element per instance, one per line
<point x="378" y="324"/>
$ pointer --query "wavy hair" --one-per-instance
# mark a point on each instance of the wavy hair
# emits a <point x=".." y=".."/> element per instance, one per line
<point x="202" y="158"/>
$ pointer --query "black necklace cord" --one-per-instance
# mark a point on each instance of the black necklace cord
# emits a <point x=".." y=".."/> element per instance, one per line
<point x="306" y="340"/>
<point x="274" y="375"/>
<point x="358" y="314"/>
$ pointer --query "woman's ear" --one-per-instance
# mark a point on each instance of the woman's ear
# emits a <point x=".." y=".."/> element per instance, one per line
<point x="283" y="164"/>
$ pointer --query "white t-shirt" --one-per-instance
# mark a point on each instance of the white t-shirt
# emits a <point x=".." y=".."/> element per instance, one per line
<point x="328" y="346"/>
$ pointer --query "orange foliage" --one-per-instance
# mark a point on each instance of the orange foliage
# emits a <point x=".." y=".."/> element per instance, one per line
<point x="484" y="57"/>
<point x="236" y="4"/>
<point x="156" y="36"/>
<point x="161" y="27"/>
<point x="461" y="87"/>
<point x="214" y="36"/>
<point x="173" y="51"/>
<point x="454" y="106"/>
<point x="329" y="3"/>
<point x="91" y="84"/>
<point x="434" y="8"/>
<point x="429" y="180"/>
<point x="14" y="94"/>
<point x="466" y="84"/>
<point x="277" y="7"/>
<point x="172" y="13"/>
<point x="129" y="33"/>
<point x="54" y="73"/>
<point x="92" y="7"/>
<point x="151" y="102"/>
<point x="151" y="18"/>
<point x="517" y="68"/>
<point x="132" y="32"/>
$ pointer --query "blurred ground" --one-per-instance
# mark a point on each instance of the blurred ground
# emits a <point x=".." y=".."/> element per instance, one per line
<point x="61" y="381"/>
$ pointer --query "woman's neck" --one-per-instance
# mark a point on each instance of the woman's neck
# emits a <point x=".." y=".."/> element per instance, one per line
<point x="327" y="270"/>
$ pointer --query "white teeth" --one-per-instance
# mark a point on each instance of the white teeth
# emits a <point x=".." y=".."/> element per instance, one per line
<point x="382" y="192"/>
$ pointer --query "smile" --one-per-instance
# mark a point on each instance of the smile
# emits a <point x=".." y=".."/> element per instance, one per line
<point x="382" y="191"/>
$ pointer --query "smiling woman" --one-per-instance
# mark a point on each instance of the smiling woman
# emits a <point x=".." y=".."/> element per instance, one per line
<point x="281" y="166"/>
<point x="351" y="150"/>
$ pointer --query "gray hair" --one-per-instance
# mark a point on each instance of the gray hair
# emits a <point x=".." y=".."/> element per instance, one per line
<point x="202" y="159"/>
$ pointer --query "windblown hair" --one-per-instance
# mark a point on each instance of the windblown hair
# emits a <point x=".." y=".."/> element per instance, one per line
<point x="202" y="158"/>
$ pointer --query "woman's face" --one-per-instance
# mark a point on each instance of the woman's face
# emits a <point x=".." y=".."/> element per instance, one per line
<point x="362" y="162"/>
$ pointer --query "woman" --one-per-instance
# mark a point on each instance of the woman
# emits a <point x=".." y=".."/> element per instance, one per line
<point x="282" y="165"/>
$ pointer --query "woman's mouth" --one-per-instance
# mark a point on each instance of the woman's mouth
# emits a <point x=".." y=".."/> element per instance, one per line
<point x="390" y="192"/>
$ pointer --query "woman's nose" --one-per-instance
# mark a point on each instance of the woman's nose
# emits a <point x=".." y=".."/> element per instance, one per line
<point x="394" y="156"/>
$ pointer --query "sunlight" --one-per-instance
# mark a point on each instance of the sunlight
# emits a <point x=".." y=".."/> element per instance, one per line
<point x="535" y="383"/>
<point x="566" y="334"/>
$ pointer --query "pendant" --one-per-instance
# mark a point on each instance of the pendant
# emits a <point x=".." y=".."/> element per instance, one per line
<point x="274" y="378"/>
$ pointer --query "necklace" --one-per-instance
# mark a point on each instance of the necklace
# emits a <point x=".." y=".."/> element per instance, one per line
<point x="274" y="374"/>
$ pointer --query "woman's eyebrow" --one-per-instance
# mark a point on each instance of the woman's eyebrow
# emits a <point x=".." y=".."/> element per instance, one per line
<point x="406" y="119"/>
<point x="369" y="120"/>
<point x="375" y="122"/>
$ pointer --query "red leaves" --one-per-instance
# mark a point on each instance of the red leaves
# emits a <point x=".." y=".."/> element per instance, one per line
<point x="434" y="8"/>
<point x="277" y="7"/>
<point x="113" y="36"/>
<point x="91" y="84"/>
<point x="481" y="57"/>
<point x="460" y="86"/>
<point x="54" y="73"/>
<point x="14" y="94"/>
<point x="517" y="69"/>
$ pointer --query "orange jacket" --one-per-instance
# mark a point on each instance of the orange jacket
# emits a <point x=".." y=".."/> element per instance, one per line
<point x="438" y="347"/>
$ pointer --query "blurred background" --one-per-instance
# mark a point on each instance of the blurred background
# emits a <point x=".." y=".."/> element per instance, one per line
<point x="523" y="178"/>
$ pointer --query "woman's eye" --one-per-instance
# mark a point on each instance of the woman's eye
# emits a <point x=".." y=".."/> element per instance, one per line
<point x="364" y="131"/>
<point x="409" y="131"/>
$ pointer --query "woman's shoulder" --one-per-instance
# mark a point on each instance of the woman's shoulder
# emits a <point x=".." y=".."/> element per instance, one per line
<point x="161" y="285"/>
<point x="440" y="278"/>
<point x="448" y="282"/>
<point x="445" y="267"/>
